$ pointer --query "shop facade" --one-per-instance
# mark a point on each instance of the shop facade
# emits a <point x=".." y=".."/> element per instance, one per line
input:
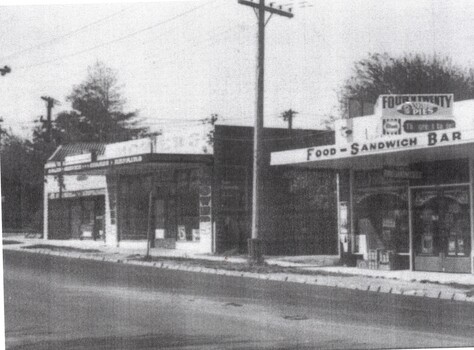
<point x="405" y="184"/>
<point x="188" y="193"/>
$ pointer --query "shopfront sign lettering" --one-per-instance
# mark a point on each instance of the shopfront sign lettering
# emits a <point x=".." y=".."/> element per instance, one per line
<point x="416" y="105"/>
<point x="416" y="126"/>
<point x="318" y="152"/>
<point x="94" y="165"/>
<point x="377" y="146"/>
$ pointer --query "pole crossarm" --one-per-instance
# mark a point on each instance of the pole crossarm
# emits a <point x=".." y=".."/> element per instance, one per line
<point x="269" y="9"/>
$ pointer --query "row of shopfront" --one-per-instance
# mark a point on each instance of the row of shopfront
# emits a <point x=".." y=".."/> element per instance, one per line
<point x="390" y="191"/>
<point x="191" y="195"/>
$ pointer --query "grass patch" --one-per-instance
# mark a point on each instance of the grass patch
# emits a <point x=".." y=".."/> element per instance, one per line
<point x="451" y="284"/>
<point x="240" y="267"/>
<point x="9" y="241"/>
<point x="460" y="285"/>
<point x="61" y="249"/>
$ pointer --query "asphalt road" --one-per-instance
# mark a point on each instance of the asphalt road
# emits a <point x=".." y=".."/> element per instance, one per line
<point x="60" y="303"/>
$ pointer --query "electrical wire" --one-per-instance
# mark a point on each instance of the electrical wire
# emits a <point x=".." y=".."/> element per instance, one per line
<point x="118" y="39"/>
<point x="69" y="34"/>
<point x="207" y="41"/>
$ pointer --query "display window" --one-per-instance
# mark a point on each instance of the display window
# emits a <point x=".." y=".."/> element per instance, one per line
<point x="441" y="221"/>
<point x="175" y="207"/>
<point x="382" y="221"/>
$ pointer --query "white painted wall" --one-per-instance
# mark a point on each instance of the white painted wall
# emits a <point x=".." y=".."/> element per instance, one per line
<point x="75" y="183"/>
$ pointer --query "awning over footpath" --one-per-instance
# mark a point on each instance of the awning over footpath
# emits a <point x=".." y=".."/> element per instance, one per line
<point x="436" y="145"/>
<point x="129" y="156"/>
<point x="376" y="141"/>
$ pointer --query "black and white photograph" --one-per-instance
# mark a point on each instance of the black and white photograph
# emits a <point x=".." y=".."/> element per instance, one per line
<point x="237" y="174"/>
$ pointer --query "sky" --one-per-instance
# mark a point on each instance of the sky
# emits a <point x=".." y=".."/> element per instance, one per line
<point x="180" y="61"/>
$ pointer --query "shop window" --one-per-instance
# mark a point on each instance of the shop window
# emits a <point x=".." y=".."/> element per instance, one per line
<point x="441" y="221"/>
<point x="382" y="221"/>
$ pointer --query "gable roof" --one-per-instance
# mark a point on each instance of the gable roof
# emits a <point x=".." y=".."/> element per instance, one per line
<point x="73" y="149"/>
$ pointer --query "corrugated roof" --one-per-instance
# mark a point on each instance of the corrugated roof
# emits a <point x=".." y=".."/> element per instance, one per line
<point x="73" y="149"/>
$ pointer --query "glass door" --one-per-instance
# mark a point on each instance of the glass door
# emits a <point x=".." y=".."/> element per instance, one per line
<point x="442" y="228"/>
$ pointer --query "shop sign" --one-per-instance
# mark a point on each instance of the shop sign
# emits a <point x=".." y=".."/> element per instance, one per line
<point x="416" y="126"/>
<point x="77" y="159"/>
<point x="74" y="194"/>
<point x="192" y="141"/>
<point x="127" y="148"/>
<point x="378" y="146"/>
<point x="418" y="105"/>
<point x="94" y="165"/>
<point x="402" y="173"/>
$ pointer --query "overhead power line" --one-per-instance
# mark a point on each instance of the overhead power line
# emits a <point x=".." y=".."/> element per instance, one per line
<point x="120" y="38"/>
<point x="67" y="35"/>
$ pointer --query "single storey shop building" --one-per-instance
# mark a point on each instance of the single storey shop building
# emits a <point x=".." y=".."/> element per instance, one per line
<point x="404" y="183"/>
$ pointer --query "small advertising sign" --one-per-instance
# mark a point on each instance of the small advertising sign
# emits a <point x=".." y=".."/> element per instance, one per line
<point x="416" y="113"/>
<point x="181" y="233"/>
<point x="159" y="233"/>
<point x="426" y="105"/>
<point x="184" y="141"/>
<point x="196" y="234"/>
<point x="415" y="126"/>
<point x="126" y="148"/>
<point x="402" y="173"/>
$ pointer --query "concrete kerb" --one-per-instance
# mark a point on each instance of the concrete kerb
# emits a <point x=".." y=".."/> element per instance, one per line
<point x="291" y="278"/>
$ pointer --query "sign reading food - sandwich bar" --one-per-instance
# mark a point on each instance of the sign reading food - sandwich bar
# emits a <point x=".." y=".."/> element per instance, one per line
<point x="381" y="145"/>
<point x="404" y="114"/>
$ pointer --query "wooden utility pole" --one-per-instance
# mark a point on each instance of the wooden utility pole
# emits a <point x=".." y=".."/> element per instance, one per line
<point x="255" y="244"/>
<point x="288" y="117"/>
<point x="5" y="70"/>
<point x="50" y="103"/>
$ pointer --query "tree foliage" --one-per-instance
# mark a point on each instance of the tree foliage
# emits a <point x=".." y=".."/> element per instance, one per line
<point x="22" y="182"/>
<point x="412" y="74"/>
<point x="97" y="113"/>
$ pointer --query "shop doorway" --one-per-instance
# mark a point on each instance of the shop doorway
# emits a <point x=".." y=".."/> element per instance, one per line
<point x="441" y="228"/>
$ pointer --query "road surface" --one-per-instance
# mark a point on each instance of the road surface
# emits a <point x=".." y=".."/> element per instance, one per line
<point x="61" y="303"/>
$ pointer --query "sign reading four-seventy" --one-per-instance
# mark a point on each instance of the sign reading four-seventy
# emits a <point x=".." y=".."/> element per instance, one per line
<point x="386" y="145"/>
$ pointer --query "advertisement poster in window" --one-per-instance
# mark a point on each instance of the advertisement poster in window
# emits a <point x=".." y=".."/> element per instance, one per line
<point x="181" y="233"/>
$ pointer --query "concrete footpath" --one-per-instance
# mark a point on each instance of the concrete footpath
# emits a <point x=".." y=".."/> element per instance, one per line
<point x="308" y="269"/>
